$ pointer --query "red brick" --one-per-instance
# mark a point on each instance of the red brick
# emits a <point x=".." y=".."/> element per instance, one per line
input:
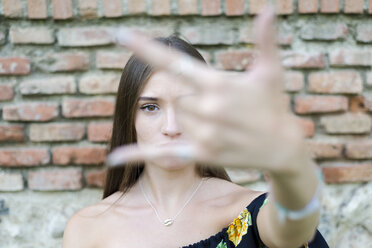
<point x="364" y="33"/>
<point x="353" y="6"/>
<point x="35" y="111"/>
<point x="284" y="7"/>
<point x="55" y="179"/>
<point x="37" y="9"/>
<point x="95" y="178"/>
<point x="234" y="59"/>
<point x="370" y="7"/>
<point x="210" y="7"/>
<point x="160" y="7"/>
<point x="12" y="8"/>
<point x="75" y="108"/>
<point x="348" y="173"/>
<point x="11" y="181"/>
<point x="14" y="66"/>
<point x="88" y="9"/>
<point x="65" y="155"/>
<point x="84" y="37"/>
<point x="330" y="6"/>
<point x="31" y="35"/>
<point x="359" y="150"/>
<point x="335" y="82"/>
<point x="137" y="6"/>
<point x="12" y="132"/>
<point x="205" y="34"/>
<point x="256" y="6"/>
<point x="326" y="31"/>
<point x="187" y="7"/>
<point x="6" y="92"/>
<point x="48" y="86"/>
<point x="99" y="84"/>
<point x="112" y="60"/>
<point x="284" y="36"/>
<point x="24" y="156"/>
<point x="348" y="123"/>
<point x="56" y="132"/>
<point x="62" y="9"/>
<point x="234" y="7"/>
<point x="64" y="62"/>
<point x="99" y="131"/>
<point x="320" y="104"/>
<point x="368" y="101"/>
<point x="307" y="125"/>
<point x="351" y="58"/>
<point x="112" y="8"/>
<point x="308" y="6"/>
<point x="293" y="81"/>
<point x="292" y="59"/>
<point x="324" y="149"/>
<point x="356" y="104"/>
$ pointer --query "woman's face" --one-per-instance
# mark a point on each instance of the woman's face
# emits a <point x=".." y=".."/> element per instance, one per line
<point x="156" y="119"/>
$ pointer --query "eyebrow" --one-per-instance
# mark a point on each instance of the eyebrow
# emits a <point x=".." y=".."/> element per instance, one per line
<point x="147" y="98"/>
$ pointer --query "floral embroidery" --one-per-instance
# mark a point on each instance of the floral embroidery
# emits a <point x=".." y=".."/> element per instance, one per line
<point x="239" y="227"/>
<point x="222" y="244"/>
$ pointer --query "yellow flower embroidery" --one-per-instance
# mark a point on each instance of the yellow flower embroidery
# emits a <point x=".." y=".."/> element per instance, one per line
<point x="239" y="227"/>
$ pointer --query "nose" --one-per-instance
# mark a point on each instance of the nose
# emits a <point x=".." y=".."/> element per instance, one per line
<point x="170" y="126"/>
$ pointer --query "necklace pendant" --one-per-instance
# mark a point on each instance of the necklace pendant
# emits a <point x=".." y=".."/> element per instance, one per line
<point x="168" y="222"/>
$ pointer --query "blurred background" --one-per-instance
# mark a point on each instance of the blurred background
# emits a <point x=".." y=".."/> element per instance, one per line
<point x="59" y="71"/>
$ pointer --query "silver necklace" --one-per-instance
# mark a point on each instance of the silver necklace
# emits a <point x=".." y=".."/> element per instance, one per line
<point x="169" y="221"/>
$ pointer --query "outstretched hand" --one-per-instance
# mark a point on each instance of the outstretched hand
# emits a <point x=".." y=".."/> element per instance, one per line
<point x="235" y="120"/>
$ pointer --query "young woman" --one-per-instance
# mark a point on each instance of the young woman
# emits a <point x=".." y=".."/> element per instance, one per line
<point x="182" y="122"/>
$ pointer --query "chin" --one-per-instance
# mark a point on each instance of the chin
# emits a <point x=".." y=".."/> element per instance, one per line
<point x="172" y="164"/>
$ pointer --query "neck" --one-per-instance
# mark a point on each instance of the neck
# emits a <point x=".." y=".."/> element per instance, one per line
<point x="168" y="190"/>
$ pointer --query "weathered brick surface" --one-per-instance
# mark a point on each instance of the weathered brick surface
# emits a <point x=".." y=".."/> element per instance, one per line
<point x="364" y="32"/>
<point x="320" y="104"/>
<point x="234" y="7"/>
<point x="136" y="6"/>
<point x="160" y="7"/>
<point x="88" y="9"/>
<point x="284" y="7"/>
<point x="95" y="178"/>
<point x="64" y="62"/>
<point x="367" y="99"/>
<point x="35" y="111"/>
<point x="369" y="79"/>
<point x="83" y="37"/>
<point x="62" y="9"/>
<point x="347" y="82"/>
<point x="345" y="173"/>
<point x="330" y="6"/>
<point x="284" y="36"/>
<point x="56" y="132"/>
<point x="14" y="66"/>
<point x="24" y="156"/>
<point x="12" y="8"/>
<point x="31" y="35"/>
<point x="12" y="132"/>
<point x="6" y="92"/>
<point x="211" y="7"/>
<point x="346" y="57"/>
<point x="353" y="6"/>
<point x="348" y="123"/>
<point x="293" y="81"/>
<point x="187" y="7"/>
<point x="37" y="9"/>
<point x="48" y="86"/>
<point x="308" y="6"/>
<point x="65" y="155"/>
<point x="112" y="60"/>
<point x="234" y="59"/>
<point x="99" y="131"/>
<point x="359" y="149"/>
<point x="55" y="179"/>
<point x="324" y="31"/>
<point x="324" y="149"/>
<point x="357" y="104"/>
<point x="293" y="59"/>
<point x="75" y="108"/>
<point x="112" y="8"/>
<point x="307" y="125"/>
<point x="205" y="34"/>
<point x="99" y="84"/>
<point x="255" y="6"/>
<point x="11" y="181"/>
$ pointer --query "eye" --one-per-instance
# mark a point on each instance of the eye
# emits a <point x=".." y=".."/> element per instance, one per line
<point x="149" y="107"/>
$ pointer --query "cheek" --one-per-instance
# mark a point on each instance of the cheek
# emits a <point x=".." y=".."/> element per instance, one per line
<point x="146" y="128"/>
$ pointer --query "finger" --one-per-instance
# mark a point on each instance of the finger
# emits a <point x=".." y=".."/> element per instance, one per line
<point x="160" y="56"/>
<point x="124" y="155"/>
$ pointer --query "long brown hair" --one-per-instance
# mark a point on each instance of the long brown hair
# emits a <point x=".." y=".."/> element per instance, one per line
<point x="135" y="75"/>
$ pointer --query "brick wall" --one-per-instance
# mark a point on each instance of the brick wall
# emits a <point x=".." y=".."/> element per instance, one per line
<point x="59" y="71"/>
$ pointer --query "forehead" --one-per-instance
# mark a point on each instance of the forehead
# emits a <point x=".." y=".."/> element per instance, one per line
<point x="163" y="84"/>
